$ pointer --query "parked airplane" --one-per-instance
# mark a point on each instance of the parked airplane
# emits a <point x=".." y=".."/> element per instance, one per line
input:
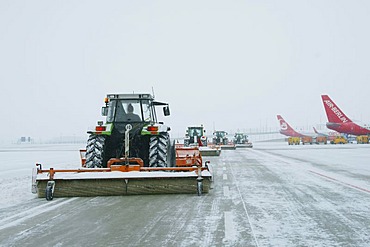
<point x="329" y="134"/>
<point x="285" y="129"/>
<point x="339" y="122"/>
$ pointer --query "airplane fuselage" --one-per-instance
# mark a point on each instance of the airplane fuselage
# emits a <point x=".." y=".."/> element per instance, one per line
<point x="348" y="128"/>
<point x="291" y="133"/>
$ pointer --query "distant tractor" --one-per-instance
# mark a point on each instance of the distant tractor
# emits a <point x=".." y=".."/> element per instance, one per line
<point x="195" y="135"/>
<point x="220" y="137"/>
<point x="241" y="140"/>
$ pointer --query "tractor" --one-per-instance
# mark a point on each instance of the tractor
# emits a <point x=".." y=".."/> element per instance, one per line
<point x="195" y="135"/>
<point x="131" y="129"/>
<point x="220" y="137"/>
<point x="240" y="138"/>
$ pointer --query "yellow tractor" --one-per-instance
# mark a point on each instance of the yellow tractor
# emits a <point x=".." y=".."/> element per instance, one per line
<point x="294" y="140"/>
<point x="339" y="140"/>
<point x="364" y="139"/>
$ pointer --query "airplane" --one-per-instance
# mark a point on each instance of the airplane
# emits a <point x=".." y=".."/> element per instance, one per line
<point x="329" y="134"/>
<point x="339" y="122"/>
<point x="287" y="130"/>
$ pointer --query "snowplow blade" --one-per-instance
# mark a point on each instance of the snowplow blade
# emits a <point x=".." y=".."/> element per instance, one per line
<point x="108" y="182"/>
<point x="207" y="151"/>
<point x="195" y="151"/>
<point x="228" y="147"/>
<point x="246" y="145"/>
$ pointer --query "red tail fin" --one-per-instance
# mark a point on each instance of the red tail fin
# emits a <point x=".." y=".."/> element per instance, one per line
<point x="334" y="114"/>
<point x="284" y="126"/>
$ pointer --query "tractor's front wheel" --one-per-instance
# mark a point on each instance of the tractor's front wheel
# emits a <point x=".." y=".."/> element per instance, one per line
<point x="95" y="151"/>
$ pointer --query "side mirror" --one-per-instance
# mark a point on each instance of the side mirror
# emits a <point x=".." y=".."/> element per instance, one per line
<point x="104" y="111"/>
<point x="166" y="110"/>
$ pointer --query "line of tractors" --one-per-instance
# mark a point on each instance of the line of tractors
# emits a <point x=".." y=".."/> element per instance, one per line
<point x="131" y="153"/>
<point x="196" y="136"/>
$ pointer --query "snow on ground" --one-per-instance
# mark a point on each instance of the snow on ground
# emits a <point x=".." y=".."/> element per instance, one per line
<point x="307" y="194"/>
<point x="271" y="195"/>
<point x="18" y="160"/>
<point x="348" y="163"/>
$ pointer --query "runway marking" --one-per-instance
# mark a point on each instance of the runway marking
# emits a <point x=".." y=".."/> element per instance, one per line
<point x="224" y="176"/>
<point x="341" y="182"/>
<point x="226" y="191"/>
<point x="245" y="209"/>
<point x="229" y="226"/>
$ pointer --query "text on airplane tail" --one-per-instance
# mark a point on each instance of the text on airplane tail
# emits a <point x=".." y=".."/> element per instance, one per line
<point x="335" y="110"/>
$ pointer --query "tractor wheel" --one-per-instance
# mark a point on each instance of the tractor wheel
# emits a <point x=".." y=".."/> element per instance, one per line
<point x="158" y="147"/>
<point x="95" y="151"/>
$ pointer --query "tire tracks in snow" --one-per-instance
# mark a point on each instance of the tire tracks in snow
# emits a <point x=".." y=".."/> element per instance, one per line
<point x="18" y="218"/>
<point x="358" y="228"/>
<point x="320" y="174"/>
<point x="244" y="207"/>
<point x="340" y="182"/>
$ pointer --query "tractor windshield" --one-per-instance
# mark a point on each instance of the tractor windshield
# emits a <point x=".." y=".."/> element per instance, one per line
<point x="129" y="110"/>
<point x="195" y="132"/>
<point x="220" y="134"/>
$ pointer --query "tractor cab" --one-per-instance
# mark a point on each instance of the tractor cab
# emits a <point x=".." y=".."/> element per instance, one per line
<point x="132" y="108"/>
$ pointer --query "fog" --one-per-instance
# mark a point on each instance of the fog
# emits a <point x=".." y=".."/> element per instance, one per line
<point x="226" y="64"/>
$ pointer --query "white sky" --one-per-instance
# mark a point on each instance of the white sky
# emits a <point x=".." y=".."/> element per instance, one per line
<point x="229" y="64"/>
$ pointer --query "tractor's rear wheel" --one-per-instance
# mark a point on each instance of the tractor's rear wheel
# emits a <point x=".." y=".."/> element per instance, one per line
<point x="95" y="151"/>
<point x="158" y="147"/>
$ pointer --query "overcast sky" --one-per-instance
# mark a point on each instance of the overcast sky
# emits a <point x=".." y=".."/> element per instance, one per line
<point x="225" y="64"/>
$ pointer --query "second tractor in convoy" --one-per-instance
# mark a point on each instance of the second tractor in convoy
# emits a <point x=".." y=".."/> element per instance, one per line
<point x="195" y="137"/>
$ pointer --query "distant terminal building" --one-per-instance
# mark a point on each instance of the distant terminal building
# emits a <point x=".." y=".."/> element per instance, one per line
<point x="24" y="139"/>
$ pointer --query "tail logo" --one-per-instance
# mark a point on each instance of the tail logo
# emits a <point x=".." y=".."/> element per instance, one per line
<point x="336" y="111"/>
<point x="283" y="125"/>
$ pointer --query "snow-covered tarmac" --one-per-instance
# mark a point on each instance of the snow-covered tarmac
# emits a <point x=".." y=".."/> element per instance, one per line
<point x="271" y="195"/>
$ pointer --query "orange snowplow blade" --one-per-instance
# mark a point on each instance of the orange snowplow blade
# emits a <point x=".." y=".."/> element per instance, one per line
<point x="126" y="176"/>
<point x="188" y="156"/>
